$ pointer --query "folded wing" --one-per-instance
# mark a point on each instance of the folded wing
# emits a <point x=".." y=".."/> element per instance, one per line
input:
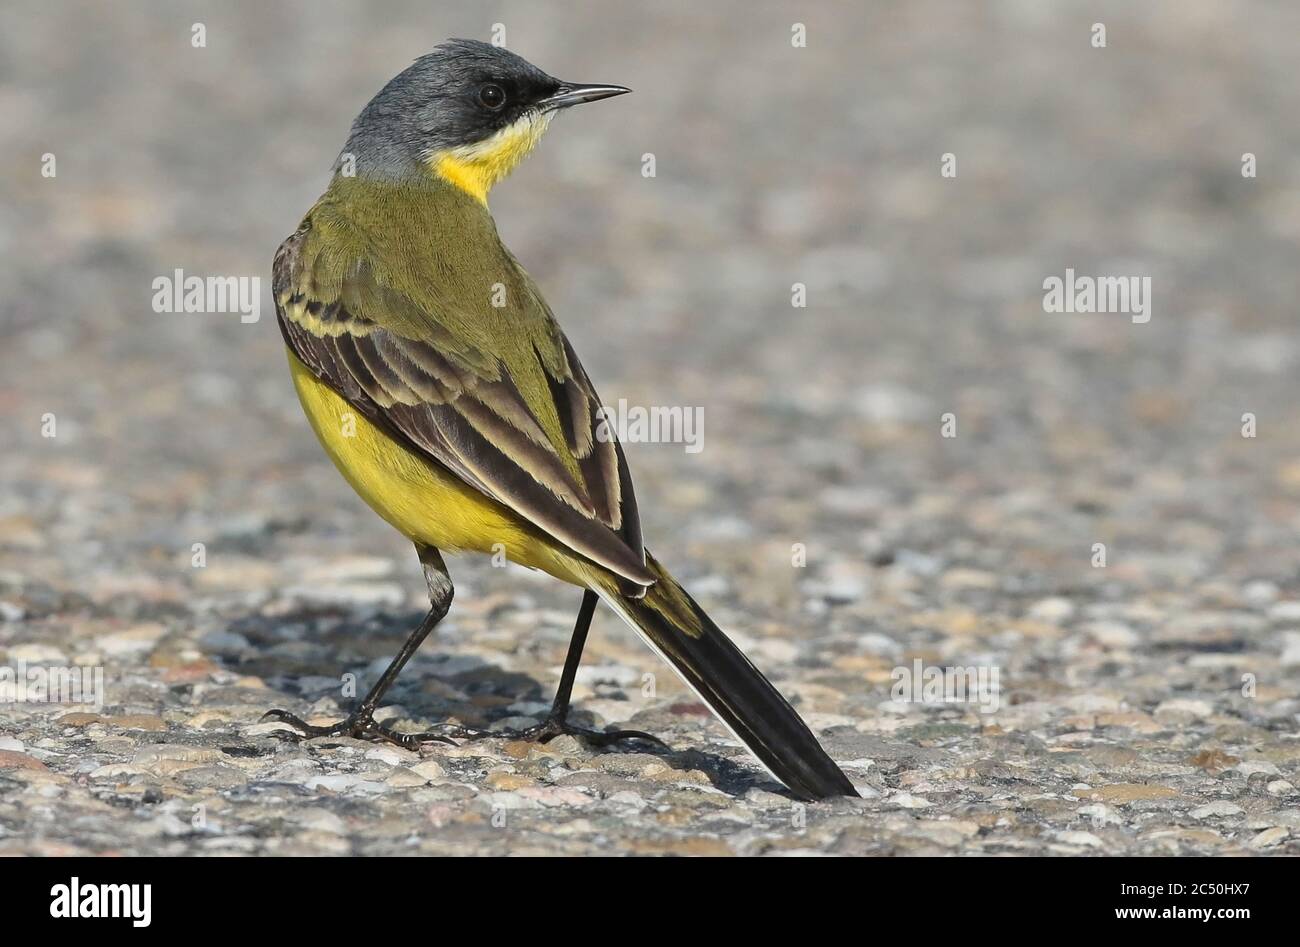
<point x="522" y="427"/>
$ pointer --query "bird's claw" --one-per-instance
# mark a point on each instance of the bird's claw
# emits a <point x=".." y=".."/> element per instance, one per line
<point x="554" y="726"/>
<point x="360" y="725"/>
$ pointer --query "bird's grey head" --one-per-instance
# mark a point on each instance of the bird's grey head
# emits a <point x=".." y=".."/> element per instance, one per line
<point x="465" y="103"/>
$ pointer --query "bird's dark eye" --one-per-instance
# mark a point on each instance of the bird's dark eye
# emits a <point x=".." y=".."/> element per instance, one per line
<point x="491" y="96"/>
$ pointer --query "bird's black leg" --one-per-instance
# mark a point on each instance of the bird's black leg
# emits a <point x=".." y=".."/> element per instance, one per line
<point x="361" y="722"/>
<point x="557" y="721"/>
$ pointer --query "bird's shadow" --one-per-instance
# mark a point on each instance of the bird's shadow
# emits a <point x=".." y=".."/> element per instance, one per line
<point x="303" y="656"/>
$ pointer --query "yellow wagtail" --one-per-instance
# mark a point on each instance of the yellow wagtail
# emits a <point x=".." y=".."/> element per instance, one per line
<point x="441" y="386"/>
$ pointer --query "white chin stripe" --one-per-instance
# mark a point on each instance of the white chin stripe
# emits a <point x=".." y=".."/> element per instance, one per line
<point x="517" y="138"/>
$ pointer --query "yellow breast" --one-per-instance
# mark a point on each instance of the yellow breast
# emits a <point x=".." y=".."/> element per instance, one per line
<point x="421" y="500"/>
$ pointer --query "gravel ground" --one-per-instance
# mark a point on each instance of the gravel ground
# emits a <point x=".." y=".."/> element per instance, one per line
<point x="1147" y="706"/>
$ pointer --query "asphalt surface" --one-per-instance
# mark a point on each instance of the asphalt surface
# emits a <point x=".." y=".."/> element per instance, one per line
<point x="1148" y="705"/>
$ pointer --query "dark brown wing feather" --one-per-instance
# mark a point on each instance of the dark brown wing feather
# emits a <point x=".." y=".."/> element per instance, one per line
<point x="461" y="409"/>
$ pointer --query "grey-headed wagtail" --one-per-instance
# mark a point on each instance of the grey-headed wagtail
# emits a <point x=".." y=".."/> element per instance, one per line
<point x="441" y="386"/>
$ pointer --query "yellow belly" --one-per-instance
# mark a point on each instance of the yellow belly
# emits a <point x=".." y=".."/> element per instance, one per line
<point x="422" y="501"/>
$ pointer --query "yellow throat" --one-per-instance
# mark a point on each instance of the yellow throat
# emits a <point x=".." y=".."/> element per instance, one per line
<point x="476" y="168"/>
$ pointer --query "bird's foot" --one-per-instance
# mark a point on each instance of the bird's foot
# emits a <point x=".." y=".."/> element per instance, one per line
<point x="360" y="725"/>
<point x="554" y="726"/>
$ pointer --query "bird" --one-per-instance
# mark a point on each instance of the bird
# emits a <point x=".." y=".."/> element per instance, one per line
<point x="440" y="384"/>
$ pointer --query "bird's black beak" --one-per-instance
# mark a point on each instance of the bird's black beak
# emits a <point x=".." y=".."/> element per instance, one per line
<point x="574" y="93"/>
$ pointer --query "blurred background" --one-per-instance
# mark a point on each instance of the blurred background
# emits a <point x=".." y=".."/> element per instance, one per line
<point x="775" y="165"/>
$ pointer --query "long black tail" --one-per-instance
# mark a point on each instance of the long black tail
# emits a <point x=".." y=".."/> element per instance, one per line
<point x="670" y="621"/>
